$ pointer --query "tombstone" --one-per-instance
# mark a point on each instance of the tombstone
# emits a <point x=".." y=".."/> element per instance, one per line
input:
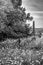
<point x="34" y="28"/>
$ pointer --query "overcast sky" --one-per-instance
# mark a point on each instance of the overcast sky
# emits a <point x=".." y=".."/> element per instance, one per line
<point x="35" y="7"/>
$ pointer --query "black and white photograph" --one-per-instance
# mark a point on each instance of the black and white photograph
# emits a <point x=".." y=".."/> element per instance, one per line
<point x="21" y="32"/>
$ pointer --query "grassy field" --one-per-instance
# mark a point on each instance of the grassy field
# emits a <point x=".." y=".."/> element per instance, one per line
<point x="28" y="52"/>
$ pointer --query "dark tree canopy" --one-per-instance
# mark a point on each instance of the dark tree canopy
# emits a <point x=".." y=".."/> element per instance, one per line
<point x="13" y="24"/>
<point x="16" y="3"/>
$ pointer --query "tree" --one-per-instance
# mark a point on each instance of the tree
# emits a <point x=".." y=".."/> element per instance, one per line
<point x="28" y="17"/>
<point x="16" y="3"/>
<point x="15" y="21"/>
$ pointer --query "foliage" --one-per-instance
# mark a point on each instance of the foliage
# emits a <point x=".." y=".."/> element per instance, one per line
<point x="16" y="3"/>
<point x="10" y="53"/>
<point x="14" y="22"/>
<point x="28" y="17"/>
<point x="25" y="63"/>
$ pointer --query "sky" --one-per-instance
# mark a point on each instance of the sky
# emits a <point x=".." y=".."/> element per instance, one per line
<point x="35" y="8"/>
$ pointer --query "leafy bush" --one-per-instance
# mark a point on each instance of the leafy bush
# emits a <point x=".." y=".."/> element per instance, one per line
<point x="25" y="63"/>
